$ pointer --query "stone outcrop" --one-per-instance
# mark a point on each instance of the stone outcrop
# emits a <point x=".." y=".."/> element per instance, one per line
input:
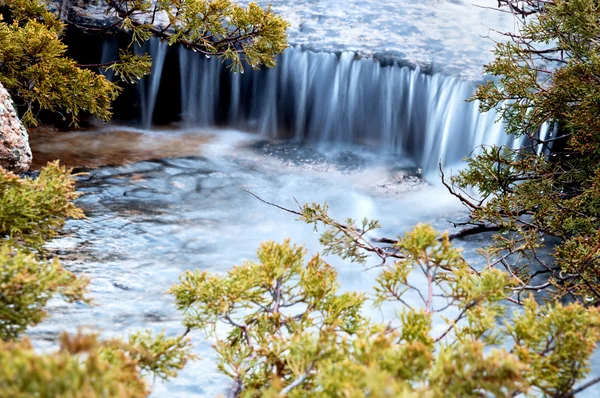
<point x="15" y="153"/>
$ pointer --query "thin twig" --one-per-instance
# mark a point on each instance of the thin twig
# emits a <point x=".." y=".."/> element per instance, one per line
<point x="296" y="382"/>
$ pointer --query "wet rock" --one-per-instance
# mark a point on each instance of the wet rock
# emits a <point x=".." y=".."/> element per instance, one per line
<point x="89" y="13"/>
<point x="15" y="154"/>
<point x="114" y="146"/>
<point x="452" y="36"/>
<point x="401" y="183"/>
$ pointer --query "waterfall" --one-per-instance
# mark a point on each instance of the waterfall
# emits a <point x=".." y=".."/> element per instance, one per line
<point x="110" y="53"/>
<point x="149" y="86"/>
<point x="200" y="88"/>
<point x="340" y="99"/>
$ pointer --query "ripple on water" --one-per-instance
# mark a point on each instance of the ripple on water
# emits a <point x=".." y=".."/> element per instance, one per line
<point x="150" y="220"/>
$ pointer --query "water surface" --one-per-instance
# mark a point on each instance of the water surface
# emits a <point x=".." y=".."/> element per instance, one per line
<point x="150" y="220"/>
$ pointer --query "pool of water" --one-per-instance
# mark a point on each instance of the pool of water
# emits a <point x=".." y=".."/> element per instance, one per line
<point x="153" y="218"/>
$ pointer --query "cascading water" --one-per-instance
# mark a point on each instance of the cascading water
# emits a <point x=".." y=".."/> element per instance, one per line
<point x="149" y="87"/>
<point x="341" y="99"/>
<point x="198" y="108"/>
<point x="110" y="52"/>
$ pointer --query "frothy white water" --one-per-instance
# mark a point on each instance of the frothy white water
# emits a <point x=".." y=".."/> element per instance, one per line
<point x="148" y="89"/>
<point x="342" y="99"/>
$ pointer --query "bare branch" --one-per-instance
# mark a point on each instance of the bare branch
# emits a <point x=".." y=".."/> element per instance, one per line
<point x="296" y="382"/>
<point x="575" y="391"/>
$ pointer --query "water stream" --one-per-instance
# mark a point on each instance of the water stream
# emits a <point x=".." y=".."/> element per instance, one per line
<point x="360" y="133"/>
<point x="151" y="220"/>
<point x="148" y="89"/>
<point x="342" y="99"/>
<point x="328" y="98"/>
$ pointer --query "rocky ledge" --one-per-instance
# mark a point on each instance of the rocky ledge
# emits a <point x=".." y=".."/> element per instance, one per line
<point x="454" y="37"/>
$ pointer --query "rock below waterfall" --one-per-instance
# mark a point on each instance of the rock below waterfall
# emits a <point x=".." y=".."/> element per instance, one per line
<point x="15" y="154"/>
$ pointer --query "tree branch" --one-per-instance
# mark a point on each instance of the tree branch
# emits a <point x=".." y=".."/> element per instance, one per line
<point x="299" y="380"/>
<point x="581" y="388"/>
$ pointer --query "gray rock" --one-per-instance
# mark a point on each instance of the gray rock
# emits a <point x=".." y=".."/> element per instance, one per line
<point x="455" y="37"/>
<point x="15" y="153"/>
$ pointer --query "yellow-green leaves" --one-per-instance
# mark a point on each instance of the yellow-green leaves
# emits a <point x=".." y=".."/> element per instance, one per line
<point x="40" y="78"/>
<point x="26" y="286"/>
<point x="559" y="356"/>
<point x="465" y="369"/>
<point x="159" y="355"/>
<point x="347" y="240"/>
<point x="131" y="67"/>
<point x="23" y="11"/>
<point x="282" y="315"/>
<point x="34" y="69"/>
<point x="85" y="367"/>
<point x="31" y="211"/>
<point x="78" y="369"/>
<point x="34" y="210"/>
<point x="222" y="28"/>
<point x="547" y="91"/>
<point x="282" y="329"/>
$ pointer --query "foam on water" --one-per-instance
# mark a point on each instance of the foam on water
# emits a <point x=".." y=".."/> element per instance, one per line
<point x="150" y="221"/>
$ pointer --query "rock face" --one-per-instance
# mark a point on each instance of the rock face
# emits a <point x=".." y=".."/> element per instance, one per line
<point x="15" y="154"/>
<point x="455" y="37"/>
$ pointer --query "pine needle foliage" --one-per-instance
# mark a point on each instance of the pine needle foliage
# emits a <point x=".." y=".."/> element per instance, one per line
<point x="282" y="328"/>
<point x="33" y="210"/>
<point x="546" y="194"/>
<point x="26" y="286"/>
<point x="35" y="70"/>
<point x="85" y="366"/>
<point x="40" y="78"/>
<point x="250" y="35"/>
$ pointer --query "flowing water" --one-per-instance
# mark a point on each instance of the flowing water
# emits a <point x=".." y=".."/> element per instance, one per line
<point x="341" y="99"/>
<point x="328" y="98"/>
<point x="364" y="134"/>
<point x="148" y="89"/>
<point x="151" y="220"/>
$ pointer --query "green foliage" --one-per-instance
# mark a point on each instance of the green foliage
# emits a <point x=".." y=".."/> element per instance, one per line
<point x="34" y="210"/>
<point x="160" y="356"/>
<point x="547" y="193"/>
<point x="26" y="286"/>
<point x="571" y="335"/>
<point x="130" y="68"/>
<point x="342" y="240"/>
<point x="268" y="308"/>
<point x="212" y="27"/>
<point x="34" y="69"/>
<point x="31" y="211"/>
<point x="289" y="333"/>
<point x="87" y="367"/>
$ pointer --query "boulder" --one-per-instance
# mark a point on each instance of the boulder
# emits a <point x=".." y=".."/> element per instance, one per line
<point x="15" y="153"/>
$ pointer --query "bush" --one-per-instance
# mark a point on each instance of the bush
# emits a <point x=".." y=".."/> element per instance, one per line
<point x="88" y="368"/>
<point x="548" y="190"/>
<point x="26" y="286"/>
<point x="38" y="75"/>
<point x="31" y="211"/>
<point x="290" y="332"/>
<point x="34" y="210"/>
